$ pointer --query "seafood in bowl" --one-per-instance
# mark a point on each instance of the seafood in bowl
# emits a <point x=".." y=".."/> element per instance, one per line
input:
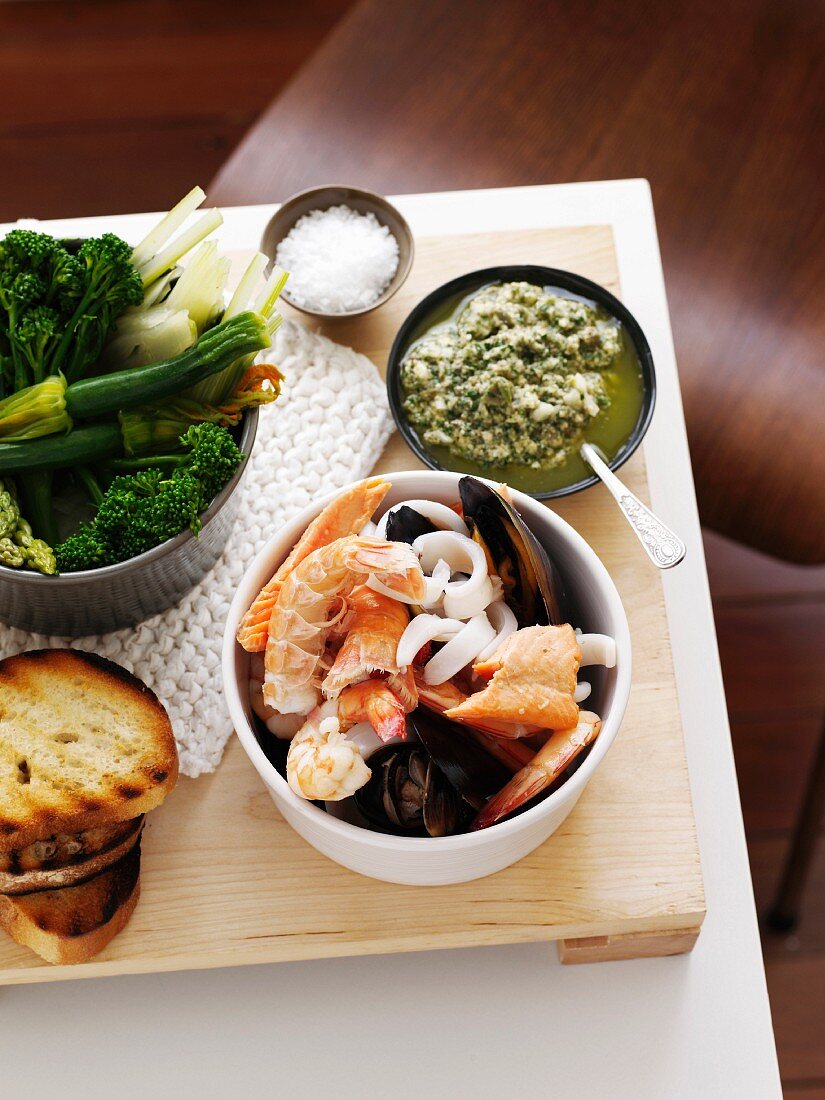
<point x="419" y="664"/>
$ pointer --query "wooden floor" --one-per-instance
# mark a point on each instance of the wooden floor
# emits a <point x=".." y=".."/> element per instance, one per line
<point x="117" y="105"/>
<point x="110" y="106"/>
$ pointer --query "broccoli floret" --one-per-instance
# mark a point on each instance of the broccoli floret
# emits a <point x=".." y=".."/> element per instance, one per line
<point x="85" y="549"/>
<point x="145" y="508"/>
<point x="111" y="284"/>
<point x="56" y="309"/>
<point x="36" y="334"/>
<point x="18" y="291"/>
<point x="214" y="458"/>
<point x="25" y="250"/>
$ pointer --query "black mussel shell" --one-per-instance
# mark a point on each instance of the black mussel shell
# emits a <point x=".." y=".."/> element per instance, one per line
<point x="405" y="525"/>
<point x="532" y="585"/>
<point x="467" y="765"/>
<point x="406" y="794"/>
<point x="445" y="812"/>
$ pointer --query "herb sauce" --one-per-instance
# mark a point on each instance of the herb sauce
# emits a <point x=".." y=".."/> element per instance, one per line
<point x="514" y="377"/>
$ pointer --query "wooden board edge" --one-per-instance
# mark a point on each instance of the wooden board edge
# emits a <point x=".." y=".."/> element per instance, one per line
<point x="627" y="945"/>
<point x="279" y="951"/>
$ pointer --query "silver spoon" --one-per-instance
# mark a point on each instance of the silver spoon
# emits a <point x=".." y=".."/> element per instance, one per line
<point x="663" y="547"/>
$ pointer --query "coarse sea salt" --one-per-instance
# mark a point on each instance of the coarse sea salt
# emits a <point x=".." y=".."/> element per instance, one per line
<point x="338" y="260"/>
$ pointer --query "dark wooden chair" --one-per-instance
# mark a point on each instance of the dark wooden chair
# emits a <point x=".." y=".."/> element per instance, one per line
<point x="720" y="106"/>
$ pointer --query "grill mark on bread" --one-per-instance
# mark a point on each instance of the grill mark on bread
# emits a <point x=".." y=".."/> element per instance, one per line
<point x="72" y="924"/>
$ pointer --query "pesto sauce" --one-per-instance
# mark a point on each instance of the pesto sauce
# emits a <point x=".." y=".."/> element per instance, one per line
<point x="515" y="377"/>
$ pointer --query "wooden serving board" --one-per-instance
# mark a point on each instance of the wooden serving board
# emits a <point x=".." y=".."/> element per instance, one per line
<point x="227" y="882"/>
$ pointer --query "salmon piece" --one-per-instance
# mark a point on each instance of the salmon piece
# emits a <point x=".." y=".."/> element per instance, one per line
<point x="533" y="679"/>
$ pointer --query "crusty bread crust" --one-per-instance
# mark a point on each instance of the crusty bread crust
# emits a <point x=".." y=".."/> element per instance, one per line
<point x="73" y="924"/>
<point x="105" y="847"/>
<point x="83" y="743"/>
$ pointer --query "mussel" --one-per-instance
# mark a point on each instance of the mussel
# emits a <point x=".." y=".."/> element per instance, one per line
<point x="461" y="756"/>
<point x="532" y="585"/>
<point x="405" y="524"/>
<point x="408" y="794"/>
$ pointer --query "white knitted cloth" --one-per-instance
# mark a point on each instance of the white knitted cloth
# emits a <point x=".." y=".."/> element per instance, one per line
<point x="328" y="427"/>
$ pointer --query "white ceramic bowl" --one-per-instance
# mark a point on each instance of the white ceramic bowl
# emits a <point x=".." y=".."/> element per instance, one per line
<point x="439" y="861"/>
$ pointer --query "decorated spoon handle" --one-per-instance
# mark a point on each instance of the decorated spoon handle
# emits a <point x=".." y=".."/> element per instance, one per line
<point x="664" y="548"/>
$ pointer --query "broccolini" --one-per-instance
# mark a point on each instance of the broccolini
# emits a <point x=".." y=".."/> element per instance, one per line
<point x="143" y="509"/>
<point x="56" y="308"/>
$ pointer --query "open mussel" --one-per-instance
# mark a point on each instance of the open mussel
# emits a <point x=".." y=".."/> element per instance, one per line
<point x="532" y="585"/>
<point x="407" y="794"/>
<point x="405" y="524"/>
<point x="461" y="756"/>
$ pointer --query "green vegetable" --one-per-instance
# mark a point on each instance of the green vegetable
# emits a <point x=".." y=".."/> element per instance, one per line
<point x="142" y="510"/>
<point x="218" y="349"/>
<point x="36" y="486"/>
<point x="159" y="427"/>
<point x="215" y="389"/>
<point x="144" y="336"/>
<point x="35" y="411"/>
<point x="11" y="554"/>
<point x="18" y="546"/>
<point x="57" y="308"/>
<point x="94" y="443"/>
<point x="152" y="259"/>
<point x="111" y="282"/>
<point x="9" y="512"/>
<point x="90" y="483"/>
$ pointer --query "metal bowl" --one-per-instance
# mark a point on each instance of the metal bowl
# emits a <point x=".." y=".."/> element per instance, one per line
<point x="577" y="285"/>
<point x="95" y="601"/>
<point x="364" y="202"/>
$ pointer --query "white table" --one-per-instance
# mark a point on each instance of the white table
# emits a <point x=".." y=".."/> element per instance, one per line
<point x="490" y="1022"/>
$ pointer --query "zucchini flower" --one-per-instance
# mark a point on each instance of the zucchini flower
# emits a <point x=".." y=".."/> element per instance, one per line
<point x="158" y="428"/>
<point x="34" y="411"/>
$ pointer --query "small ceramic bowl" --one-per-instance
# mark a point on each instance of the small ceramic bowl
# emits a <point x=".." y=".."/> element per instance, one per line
<point x="441" y="860"/>
<point x="364" y="202"/>
<point x="575" y="285"/>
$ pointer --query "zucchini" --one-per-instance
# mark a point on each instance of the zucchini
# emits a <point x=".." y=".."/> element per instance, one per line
<point x="217" y="349"/>
<point x="83" y="445"/>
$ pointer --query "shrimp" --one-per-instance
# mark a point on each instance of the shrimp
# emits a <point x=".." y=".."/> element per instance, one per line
<point x="533" y="680"/>
<point x="374" y="624"/>
<point x="322" y="763"/>
<point x="345" y="515"/>
<point x="372" y="701"/>
<point x="544" y="769"/>
<point x="312" y="597"/>
<point x="282" y="725"/>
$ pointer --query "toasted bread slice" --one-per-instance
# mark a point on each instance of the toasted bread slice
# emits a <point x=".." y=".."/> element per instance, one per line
<point x="66" y="860"/>
<point x="71" y="925"/>
<point x="83" y="743"/>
